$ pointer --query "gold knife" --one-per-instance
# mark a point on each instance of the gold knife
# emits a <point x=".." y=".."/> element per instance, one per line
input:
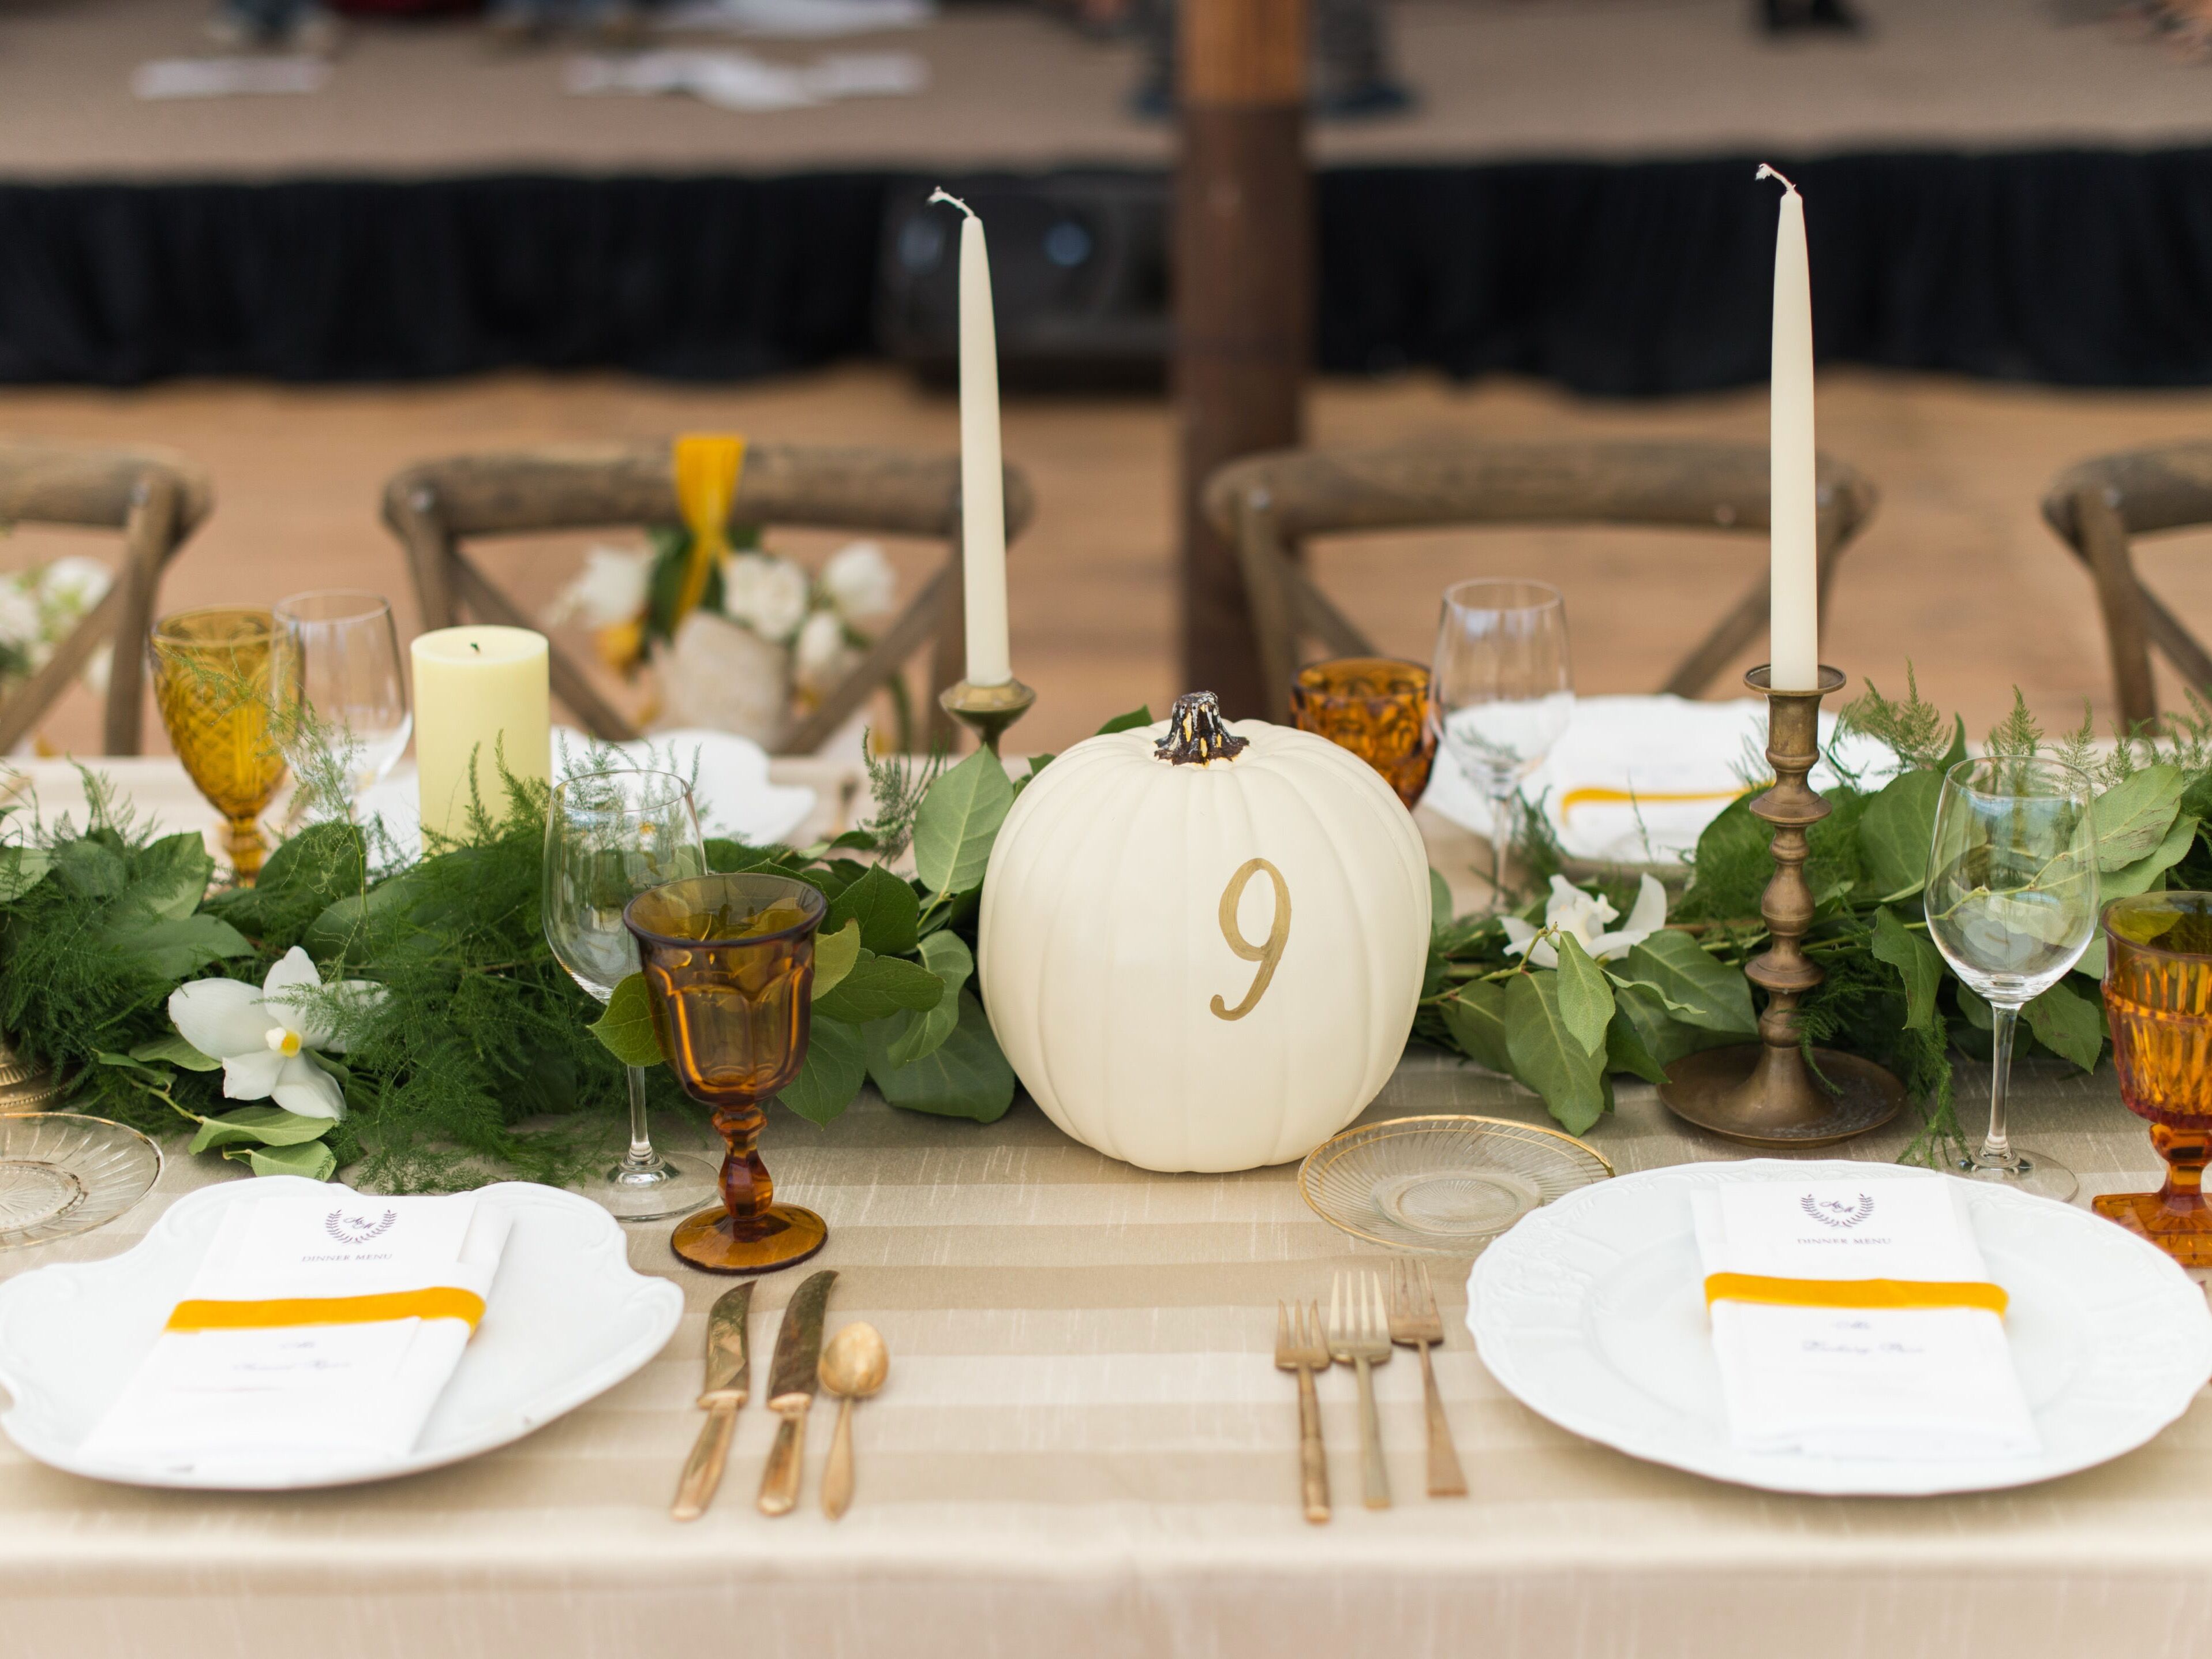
<point x="791" y="1383"/>
<point x="729" y="1373"/>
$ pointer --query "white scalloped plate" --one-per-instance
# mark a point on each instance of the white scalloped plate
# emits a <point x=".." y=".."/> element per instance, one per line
<point x="567" y="1319"/>
<point x="1591" y="1312"/>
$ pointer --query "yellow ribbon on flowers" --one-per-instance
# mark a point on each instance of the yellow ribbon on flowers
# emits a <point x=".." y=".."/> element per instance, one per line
<point x="1596" y="797"/>
<point x="439" y="1302"/>
<point x="707" y="470"/>
<point x="1855" y="1292"/>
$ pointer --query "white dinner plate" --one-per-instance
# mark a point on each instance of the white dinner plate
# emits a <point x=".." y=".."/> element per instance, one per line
<point x="567" y="1319"/>
<point x="1591" y="1312"/>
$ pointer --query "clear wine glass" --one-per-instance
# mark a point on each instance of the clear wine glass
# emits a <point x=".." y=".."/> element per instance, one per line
<point x="341" y="652"/>
<point x="2011" y="902"/>
<point x="1504" y="692"/>
<point x="609" y="836"/>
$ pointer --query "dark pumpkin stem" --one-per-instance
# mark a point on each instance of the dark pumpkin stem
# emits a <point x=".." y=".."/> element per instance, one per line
<point x="1196" y="734"/>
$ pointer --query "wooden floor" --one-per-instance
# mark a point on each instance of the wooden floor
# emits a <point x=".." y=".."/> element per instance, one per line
<point x="1957" y="575"/>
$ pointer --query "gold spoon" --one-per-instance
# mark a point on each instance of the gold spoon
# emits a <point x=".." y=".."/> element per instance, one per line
<point x="854" y="1366"/>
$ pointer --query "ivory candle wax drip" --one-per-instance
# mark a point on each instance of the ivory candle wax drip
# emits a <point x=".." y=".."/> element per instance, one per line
<point x="482" y="696"/>
<point x="1793" y="507"/>
<point x="982" y="484"/>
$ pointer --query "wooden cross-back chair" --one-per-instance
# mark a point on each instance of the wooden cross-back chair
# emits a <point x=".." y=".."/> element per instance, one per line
<point x="156" y="500"/>
<point x="437" y="508"/>
<point x="2097" y="507"/>
<point x="1269" y="505"/>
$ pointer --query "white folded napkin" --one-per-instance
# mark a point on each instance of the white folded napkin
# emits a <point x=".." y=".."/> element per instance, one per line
<point x="1637" y="780"/>
<point x="1897" y="1381"/>
<point x="318" y="1330"/>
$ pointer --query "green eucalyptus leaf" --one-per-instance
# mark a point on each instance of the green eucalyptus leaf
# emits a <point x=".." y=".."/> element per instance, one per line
<point x="966" y="1076"/>
<point x="885" y="907"/>
<point x="1139" y="716"/>
<point x="90" y="868"/>
<point x="2067" y="1023"/>
<point x="1624" y="1050"/>
<point x="1917" y="962"/>
<point x="1475" y="1016"/>
<point x="879" y="986"/>
<point x="173" y="950"/>
<point x="834" y="956"/>
<point x="2132" y="817"/>
<point x="1895" y="832"/>
<point x="2149" y="870"/>
<point x="1585" y="996"/>
<point x="175" y="1051"/>
<point x="1440" y="903"/>
<point x="1548" y="1056"/>
<point x="957" y="821"/>
<point x="1695" y="989"/>
<point x="947" y="956"/>
<point x="259" y="1125"/>
<point x="836" y="1065"/>
<point x="1664" y="1038"/>
<point x="311" y="1158"/>
<point x="624" y="1027"/>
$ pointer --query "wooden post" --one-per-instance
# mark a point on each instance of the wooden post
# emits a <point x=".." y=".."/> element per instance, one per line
<point x="1243" y="280"/>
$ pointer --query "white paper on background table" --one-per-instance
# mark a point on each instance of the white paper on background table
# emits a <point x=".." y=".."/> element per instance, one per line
<point x="792" y="19"/>
<point x="228" y="78"/>
<point x="207" y="1402"/>
<point x="1678" y="762"/>
<point x="1857" y="1383"/>
<point x="735" y="80"/>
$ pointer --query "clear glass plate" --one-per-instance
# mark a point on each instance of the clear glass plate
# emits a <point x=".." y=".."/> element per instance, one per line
<point x="61" y="1174"/>
<point x="1441" y="1185"/>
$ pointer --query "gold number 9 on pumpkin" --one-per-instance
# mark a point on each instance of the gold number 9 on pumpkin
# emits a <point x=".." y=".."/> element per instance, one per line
<point x="1269" y="954"/>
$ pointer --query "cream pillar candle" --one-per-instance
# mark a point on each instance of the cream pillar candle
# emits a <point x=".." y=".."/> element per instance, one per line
<point x="481" y="694"/>
<point x="1793" y="510"/>
<point x="982" y="486"/>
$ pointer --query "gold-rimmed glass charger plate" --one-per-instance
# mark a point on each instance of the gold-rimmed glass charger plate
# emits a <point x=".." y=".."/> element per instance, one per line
<point x="61" y="1174"/>
<point x="1444" y="1185"/>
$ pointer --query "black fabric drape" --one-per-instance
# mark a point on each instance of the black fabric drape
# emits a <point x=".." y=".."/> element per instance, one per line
<point x="2069" y="267"/>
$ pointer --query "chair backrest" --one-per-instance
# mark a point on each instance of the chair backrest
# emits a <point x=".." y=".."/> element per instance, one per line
<point x="1268" y="503"/>
<point x="436" y="506"/>
<point x="156" y="499"/>
<point x="2094" y="506"/>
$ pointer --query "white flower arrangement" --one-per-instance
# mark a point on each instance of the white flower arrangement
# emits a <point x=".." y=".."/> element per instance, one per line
<point x="40" y="607"/>
<point x="266" y="1038"/>
<point x="1571" y="910"/>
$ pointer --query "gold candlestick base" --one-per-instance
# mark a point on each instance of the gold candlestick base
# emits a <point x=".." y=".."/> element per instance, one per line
<point x="987" y="710"/>
<point x="1764" y="1094"/>
<point x="25" y="1087"/>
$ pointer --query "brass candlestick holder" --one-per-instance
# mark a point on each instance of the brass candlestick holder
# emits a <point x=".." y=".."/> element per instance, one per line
<point x="24" y="1086"/>
<point x="1764" y="1094"/>
<point x="987" y="710"/>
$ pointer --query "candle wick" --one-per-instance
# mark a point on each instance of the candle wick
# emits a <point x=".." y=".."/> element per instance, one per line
<point x="1766" y="172"/>
<point x="941" y="194"/>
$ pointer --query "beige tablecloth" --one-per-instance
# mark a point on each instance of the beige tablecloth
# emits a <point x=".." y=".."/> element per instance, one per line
<point x="1085" y="1450"/>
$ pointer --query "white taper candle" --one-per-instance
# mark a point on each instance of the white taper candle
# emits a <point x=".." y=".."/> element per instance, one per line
<point x="983" y="498"/>
<point x="1793" y="510"/>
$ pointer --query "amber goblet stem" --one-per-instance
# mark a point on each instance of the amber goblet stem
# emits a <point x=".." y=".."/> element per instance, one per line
<point x="242" y="838"/>
<point x="2185" y="1152"/>
<point x="747" y="1191"/>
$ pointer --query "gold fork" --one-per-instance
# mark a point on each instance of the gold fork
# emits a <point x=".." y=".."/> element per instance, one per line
<point x="1359" y="1336"/>
<point x="1299" y="1347"/>
<point x="1415" y="1324"/>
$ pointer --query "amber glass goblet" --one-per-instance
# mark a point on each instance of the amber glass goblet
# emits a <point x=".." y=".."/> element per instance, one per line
<point x="1379" y="708"/>
<point x="729" y="971"/>
<point x="2158" y="1001"/>
<point x="214" y="682"/>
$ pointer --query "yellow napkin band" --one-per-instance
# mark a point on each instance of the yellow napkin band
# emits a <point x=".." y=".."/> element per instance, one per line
<point x="707" y="470"/>
<point x="1853" y="1293"/>
<point x="1598" y="797"/>
<point x="439" y="1302"/>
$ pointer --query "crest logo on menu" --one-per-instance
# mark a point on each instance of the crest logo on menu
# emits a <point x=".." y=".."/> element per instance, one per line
<point x="357" y="1228"/>
<point x="1837" y="1212"/>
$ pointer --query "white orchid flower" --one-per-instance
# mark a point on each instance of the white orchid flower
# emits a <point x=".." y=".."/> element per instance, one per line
<point x="768" y="595"/>
<point x="1571" y="910"/>
<point x="859" y="581"/>
<point x="262" y="1036"/>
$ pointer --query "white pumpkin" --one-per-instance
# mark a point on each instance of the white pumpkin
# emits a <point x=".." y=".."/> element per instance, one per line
<point x="1205" y="965"/>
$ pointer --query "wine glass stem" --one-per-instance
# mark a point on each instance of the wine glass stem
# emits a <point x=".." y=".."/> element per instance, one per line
<point x="1502" y="826"/>
<point x="642" y="1157"/>
<point x="2004" y="1020"/>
